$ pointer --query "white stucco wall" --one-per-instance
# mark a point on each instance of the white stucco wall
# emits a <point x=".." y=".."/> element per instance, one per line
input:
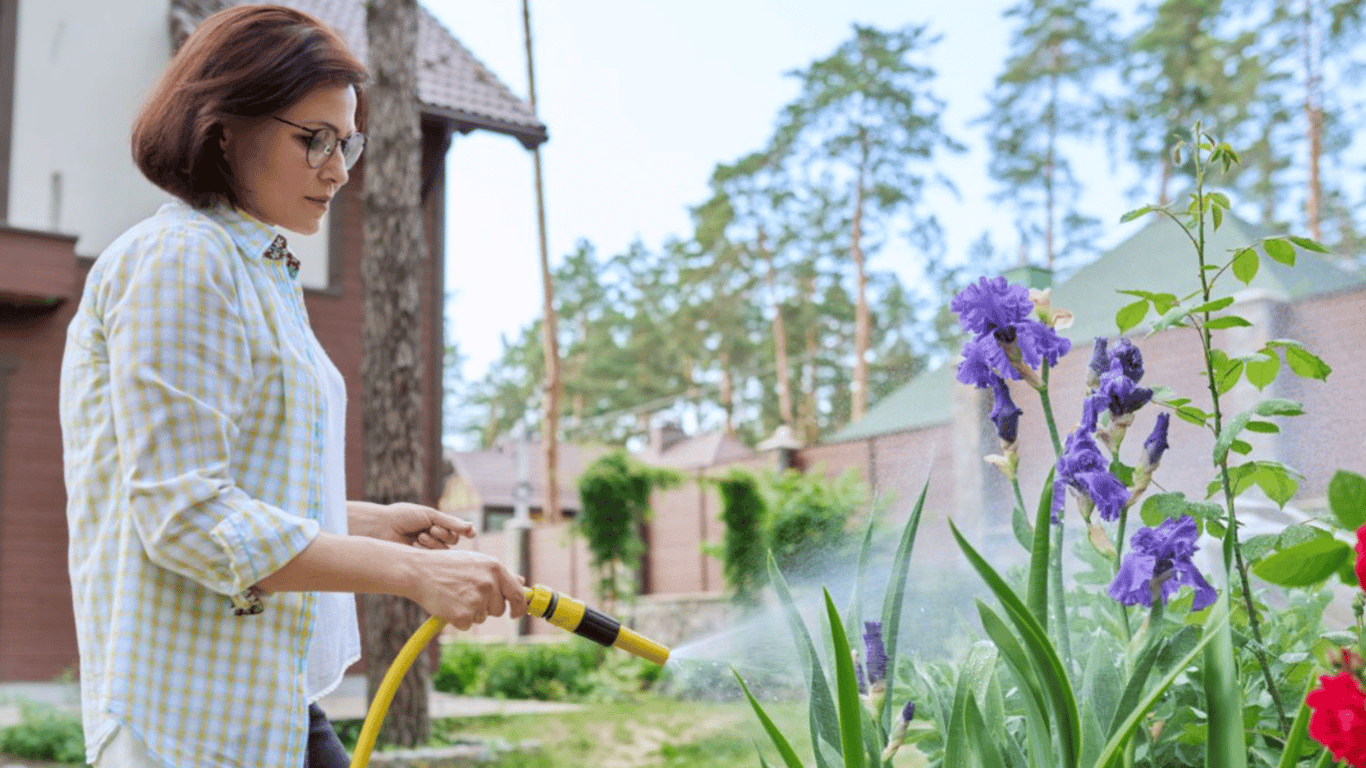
<point x="82" y="70"/>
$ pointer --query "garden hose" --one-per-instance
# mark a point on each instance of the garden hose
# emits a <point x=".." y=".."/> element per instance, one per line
<point x="560" y="610"/>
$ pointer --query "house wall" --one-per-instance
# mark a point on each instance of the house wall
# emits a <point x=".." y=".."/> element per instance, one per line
<point x="70" y="167"/>
<point x="37" y="628"/>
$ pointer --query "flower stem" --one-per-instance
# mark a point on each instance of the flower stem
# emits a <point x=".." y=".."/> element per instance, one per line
<point x="1058" y="597"/>
<point x="1233" y="553"/>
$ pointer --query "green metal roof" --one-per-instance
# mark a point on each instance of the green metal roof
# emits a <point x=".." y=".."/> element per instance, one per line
<point x="1157" y="257"/>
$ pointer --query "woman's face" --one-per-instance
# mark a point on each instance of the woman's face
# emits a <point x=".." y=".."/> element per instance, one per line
<point x="269" y="160"/>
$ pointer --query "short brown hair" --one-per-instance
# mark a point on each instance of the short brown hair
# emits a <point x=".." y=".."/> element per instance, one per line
<point x="244" y="62"/>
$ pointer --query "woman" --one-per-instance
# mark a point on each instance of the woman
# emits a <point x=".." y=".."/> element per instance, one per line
<point x="213" y="551"/>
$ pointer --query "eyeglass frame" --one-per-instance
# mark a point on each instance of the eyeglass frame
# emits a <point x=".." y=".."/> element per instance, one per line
<point x="341" y="143"/>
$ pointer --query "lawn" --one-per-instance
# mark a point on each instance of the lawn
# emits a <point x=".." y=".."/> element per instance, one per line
<point x="650" y="732"/>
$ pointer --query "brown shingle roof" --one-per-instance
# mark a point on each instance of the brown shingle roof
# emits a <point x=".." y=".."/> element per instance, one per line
<point x="452" y="84"/>
<point x="493" y="473"/>
<point x="698" y="452"/>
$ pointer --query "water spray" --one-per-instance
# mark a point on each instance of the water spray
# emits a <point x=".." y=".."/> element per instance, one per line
<point x="562" y="611"/>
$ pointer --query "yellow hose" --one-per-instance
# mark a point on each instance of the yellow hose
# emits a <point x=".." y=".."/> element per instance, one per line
<point x="564" y="612"/>
<point x="385" y="695"/>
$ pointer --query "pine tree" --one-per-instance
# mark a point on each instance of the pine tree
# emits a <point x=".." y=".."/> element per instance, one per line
<point x="869" y="124"/>
<point x="1045" y="95"/>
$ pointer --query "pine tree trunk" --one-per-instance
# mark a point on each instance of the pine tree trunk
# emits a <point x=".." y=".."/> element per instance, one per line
<point x="1313" y="112"/>
<point x="859" y="400"/>
<point x="391" y="361"/>
<point x="779" y="338"/>
<point x="1050" y="167"/>
<point x="550" y="432"/>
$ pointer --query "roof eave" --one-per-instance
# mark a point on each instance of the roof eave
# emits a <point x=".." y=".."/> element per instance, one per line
<point x="529" y="136"/>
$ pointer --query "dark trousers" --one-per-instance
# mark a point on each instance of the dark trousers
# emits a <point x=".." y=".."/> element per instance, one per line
<point x="324" y="748"/>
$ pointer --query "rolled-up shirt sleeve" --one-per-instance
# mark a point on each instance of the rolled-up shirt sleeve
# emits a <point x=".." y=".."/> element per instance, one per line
<point x="180" y="364"/>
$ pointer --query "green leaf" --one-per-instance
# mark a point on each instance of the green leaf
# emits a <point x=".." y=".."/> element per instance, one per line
<point x="1037" y="591"/>
<point x="1245" y="265"/>
<point x="975" y="672"/>
<point x="1226" y="744"/>
<point x="895" y="596"/>
<point x="1241" y="447"/>
<point x="780" y="741"/>
<point x="988" y="748"/>
<point x="1217" y="213"/>
<point x="1038" y="722"/>
<point x="1136" y="213"/>
<point x="1163" y="506"/>
<point x="1278" y="406"/>
<point x="1280" y="250"/>
<point x="1308" y="245"/>
<point x="846" y="689"/>
<point x="852" y="625"/>
<point x="1296" y="743"/>
<point x="1193" y="415"/>
<point x="1306" y="364"/>
<point x="1347" y="498"/>
<point x="1219" y="198"/>
<point x="1263" y="427"/>
<point x="1227" y="321"/>
<point x="1174" y="317"/>
<point x="1276" y="482"/>
<point x="1042" y="656"/>
<point x="1212" y="306"/>
<point x="1131" y="315"/>
<point x="1262" y="371"/>
<point x="1134" y="689"/>
<point x="1304" y="565"/>
<point x="1113" y="753"/>
<point x="823" y="715"/>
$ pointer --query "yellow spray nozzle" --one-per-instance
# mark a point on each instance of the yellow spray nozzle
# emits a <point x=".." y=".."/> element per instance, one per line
<point x="570" y="614"/>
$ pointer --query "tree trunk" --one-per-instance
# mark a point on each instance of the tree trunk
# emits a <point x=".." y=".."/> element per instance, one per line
<point x="1050" y="169"/>
<point x="779" y="337"/>
<point x="859" y="401"/>
<point x="391" y="361"/>
<point x="1313" y="113"/>
<point x="550" y="502"/>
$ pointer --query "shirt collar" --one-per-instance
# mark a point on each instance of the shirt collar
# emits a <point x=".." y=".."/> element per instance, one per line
<point x="251" y="235"/>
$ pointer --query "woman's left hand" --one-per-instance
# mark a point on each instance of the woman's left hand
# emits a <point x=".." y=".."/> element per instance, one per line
<point x="405" y="523"/>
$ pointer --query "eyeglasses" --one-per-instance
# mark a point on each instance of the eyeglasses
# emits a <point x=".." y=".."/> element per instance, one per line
<point x="322" y="142"/>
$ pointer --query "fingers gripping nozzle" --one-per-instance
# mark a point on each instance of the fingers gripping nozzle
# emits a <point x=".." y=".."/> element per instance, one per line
<point x="570" y="614"/>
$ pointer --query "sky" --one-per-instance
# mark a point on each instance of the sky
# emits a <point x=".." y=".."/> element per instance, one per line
<point x="642" y="99"/>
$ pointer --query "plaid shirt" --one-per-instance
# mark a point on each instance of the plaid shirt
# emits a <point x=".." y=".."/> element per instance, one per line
<point x="192" y="424"/>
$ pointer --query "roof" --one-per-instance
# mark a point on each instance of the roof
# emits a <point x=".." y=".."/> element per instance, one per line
<point x="493" y="474"/>
<point x="1157" y="257"/>
<point x="698" y="452"/>
<point x="452" y="84"/>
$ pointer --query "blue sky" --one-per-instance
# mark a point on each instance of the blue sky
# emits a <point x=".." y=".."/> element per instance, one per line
<point x="642" y="99"/>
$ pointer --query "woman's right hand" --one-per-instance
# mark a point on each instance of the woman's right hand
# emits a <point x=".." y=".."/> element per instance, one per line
<point x="464" y="588"/>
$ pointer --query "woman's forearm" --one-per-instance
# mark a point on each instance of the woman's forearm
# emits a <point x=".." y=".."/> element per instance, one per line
<point x="359" y="564"/>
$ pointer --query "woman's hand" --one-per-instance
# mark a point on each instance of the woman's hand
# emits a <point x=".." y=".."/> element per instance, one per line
<point x="467" y="590"/>
<point x="403" y="523"/>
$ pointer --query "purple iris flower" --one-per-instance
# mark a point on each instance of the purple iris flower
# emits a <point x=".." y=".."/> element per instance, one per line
<point x="989" y="304"/>
<point x="1129" y="358"/>
<point x="876" y="653"/>
<point x="1156" y="444"/>
<point x="1005" y="413"/>
<point x="1120" y="392"/>
<point x="1100" y="363"/>
<point x="1083" y="467"/>
<point x="1162" y="553"/>
<point x="908" y="712"/>
<point x="999" y="313"/>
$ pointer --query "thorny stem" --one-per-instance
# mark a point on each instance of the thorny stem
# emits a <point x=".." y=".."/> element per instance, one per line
<point x="1231" y="539"/>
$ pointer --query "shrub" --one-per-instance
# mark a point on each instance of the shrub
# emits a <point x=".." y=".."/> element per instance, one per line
<point x="550" y="672"/>
<point x="45" y="733"/>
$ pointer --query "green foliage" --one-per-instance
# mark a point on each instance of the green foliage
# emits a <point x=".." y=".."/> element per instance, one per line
<point x="743" y="512"/>
<point x="615" y="495"/>
<point x="545" y="671"/>
<point x="45" y="733"/>
<point x="810" y="516"/>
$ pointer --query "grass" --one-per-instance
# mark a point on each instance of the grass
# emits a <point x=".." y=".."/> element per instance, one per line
<point x="649" y="732"/>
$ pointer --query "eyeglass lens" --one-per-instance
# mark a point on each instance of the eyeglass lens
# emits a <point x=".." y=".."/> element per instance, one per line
<point x="325" y="141"/>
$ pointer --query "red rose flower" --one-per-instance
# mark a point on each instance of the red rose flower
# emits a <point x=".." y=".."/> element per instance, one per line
<point x="1361" y="556"/>
<point x="1339" y="719"/>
